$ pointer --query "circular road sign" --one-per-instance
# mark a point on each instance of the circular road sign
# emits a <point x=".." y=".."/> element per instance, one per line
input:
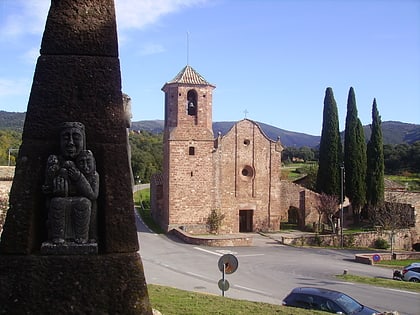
<point x="376" y="258"/>
<point x="228" y="263"/>
<point x="223" y="284"/>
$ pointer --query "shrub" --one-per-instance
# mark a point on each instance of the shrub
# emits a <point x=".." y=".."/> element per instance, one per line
<point x="214" y="221"/>
<point x="349" y="240"/>
<point x="318" y="240"/>
<point x="146" y="203"/>
<point x="309" y="227"/>
<point x="381" y="243"/>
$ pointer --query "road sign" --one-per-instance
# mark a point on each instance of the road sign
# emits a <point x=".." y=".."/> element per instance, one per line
<point x="228" y="263"/>
<point x="223" y="284"/>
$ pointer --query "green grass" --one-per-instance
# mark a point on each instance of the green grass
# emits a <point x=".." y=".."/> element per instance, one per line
<point x="410" y="180"/>
<point x="396" y="264"/>
<point x="170" y="301"/>
<point x="381" y="282"/>
<point x="146" y="216"/>
<point x="141" y="195"/>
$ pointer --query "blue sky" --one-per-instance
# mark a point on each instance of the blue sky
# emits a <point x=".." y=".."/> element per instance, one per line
<point x="271" y="58"/>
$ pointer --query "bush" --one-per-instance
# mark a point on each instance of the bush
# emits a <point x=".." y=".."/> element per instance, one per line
<point x="146" y="203"/>
<point x="214" y="221"/>
<point x="350" y="240"/>
<point x="309" y="227"/>
<point x="380" y="243"/>
<point x="318" y="241"/>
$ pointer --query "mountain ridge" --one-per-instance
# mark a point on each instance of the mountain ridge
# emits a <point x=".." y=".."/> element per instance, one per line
<point x="394" y="132"/>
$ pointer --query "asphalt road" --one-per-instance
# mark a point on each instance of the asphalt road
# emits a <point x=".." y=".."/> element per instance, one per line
<point x="267" y="271"/>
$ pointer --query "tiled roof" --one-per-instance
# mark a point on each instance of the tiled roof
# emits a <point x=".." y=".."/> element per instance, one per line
<point x="189" y="76"/>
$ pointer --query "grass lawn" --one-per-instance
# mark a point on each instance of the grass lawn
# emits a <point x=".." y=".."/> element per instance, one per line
<point x="396" y="264"/>
<point x="170" y="301"/>
<point x="411" y="181"/>
<point x="387" y="283"/>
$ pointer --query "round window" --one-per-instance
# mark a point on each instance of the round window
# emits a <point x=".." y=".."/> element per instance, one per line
<point x="247" y="171"/>
<point x="246" y="142"/>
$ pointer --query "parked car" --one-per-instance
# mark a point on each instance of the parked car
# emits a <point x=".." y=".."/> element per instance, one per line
<point x="411" y="272"/>
<point x="327" y="301"/>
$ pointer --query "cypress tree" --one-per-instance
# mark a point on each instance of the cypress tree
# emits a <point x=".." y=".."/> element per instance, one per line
<point x="375" y="161"/>
<point x="330" y="149"/>
<point x="354" y="158"/>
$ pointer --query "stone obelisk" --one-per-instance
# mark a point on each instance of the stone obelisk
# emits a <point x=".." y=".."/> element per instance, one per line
<point x="77" y="79"/>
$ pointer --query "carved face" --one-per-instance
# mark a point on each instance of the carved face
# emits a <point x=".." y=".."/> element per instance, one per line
<point x="86" y="162"/>
<point x="71" y="142"/>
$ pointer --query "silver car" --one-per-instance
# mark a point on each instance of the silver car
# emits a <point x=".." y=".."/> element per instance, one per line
<point x="411" y="272"/>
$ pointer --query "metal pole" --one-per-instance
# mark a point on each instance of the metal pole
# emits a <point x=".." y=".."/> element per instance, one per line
<point x="341" y="205"/>
<point x="223" y="278"/>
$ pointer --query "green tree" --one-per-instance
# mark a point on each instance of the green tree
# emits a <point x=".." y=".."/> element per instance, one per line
<point x="146" y="155"/>
<point x="375" y="161"/>
<point x="10" y="141"/>
<point x="354" y="158"/>
<point x="330" y="149"/>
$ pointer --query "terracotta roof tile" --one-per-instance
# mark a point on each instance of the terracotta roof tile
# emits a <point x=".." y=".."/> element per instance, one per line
<point x="189" y="76"/>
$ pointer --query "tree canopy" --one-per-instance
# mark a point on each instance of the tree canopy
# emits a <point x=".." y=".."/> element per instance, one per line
<point x="330" y="149"/>
<point x="375" y="161"/>
<point x="354" y="157"/>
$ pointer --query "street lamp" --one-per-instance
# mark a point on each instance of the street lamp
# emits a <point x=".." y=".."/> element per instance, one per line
<point x="341" y="203"/>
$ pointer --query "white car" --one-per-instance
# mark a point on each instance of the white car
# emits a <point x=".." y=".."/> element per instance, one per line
<point x="411" y="272"/>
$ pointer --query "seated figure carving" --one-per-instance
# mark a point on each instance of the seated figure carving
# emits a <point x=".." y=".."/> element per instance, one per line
<point x="72" y="187"/>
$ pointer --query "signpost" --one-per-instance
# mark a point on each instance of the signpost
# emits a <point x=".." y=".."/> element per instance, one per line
<point x="227" y="264"/>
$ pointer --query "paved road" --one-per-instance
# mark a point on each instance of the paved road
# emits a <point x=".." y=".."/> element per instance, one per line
<point x="267" y="271"/>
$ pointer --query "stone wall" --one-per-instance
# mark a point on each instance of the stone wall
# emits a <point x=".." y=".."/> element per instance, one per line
<point x="402" y="239"/>
<point x="293" y="195"/>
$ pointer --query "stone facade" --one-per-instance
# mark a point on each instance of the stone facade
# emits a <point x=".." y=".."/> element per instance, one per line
<point x="237" y="174"/>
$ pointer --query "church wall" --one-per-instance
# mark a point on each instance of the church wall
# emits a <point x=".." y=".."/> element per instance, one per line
<point x="190" y="185"/>
<point x="249" y="176"/>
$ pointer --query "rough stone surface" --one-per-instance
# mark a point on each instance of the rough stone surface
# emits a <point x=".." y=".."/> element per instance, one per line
<point x="81" y="28"/>
<point x="69" y="248"/>
<point x="77" y="78"/>
<point x="32" y="284"/>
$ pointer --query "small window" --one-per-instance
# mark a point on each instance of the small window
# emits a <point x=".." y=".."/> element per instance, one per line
<point x="247" y="142"/>
<point x="191" y="150"/>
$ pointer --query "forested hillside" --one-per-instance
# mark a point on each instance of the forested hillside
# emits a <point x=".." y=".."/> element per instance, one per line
<point x="147" y="151"/>
<point x="394" y="132"/>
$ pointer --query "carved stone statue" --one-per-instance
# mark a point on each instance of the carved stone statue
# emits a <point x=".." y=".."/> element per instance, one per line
<point x="72" y="187"/>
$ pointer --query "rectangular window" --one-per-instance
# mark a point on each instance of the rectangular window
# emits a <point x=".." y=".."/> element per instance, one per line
<point x="191" y="151"/>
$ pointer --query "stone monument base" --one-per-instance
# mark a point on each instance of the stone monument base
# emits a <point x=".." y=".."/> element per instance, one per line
<point x="73" y="284"/>
<point x="69" y="248"/>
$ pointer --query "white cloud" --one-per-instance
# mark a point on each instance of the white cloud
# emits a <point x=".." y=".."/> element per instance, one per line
<point x="28" y="17"/>
<point x="138" y="14"/>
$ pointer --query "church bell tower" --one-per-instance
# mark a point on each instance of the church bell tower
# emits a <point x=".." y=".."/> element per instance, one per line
<point x="188" y="142"/>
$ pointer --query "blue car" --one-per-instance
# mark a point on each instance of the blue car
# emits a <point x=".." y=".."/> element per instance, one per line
<point x="327" y="301"/>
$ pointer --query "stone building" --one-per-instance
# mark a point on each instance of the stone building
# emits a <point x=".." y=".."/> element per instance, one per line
<point x="237" y="175"/>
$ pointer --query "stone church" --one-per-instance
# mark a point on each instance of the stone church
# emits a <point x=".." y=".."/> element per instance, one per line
<point x="237" y="174"/>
